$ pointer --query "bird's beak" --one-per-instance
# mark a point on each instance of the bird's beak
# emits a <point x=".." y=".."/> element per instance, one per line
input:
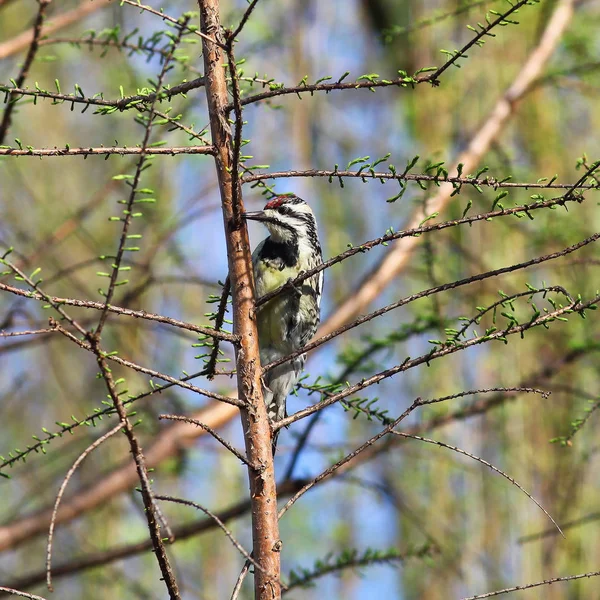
<point x="256" y="215"/>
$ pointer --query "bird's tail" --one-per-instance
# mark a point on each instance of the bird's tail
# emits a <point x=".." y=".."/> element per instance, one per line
<point x="276" y="411"/>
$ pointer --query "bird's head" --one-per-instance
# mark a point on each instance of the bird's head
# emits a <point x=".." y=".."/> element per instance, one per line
<point x="288" y="219"/>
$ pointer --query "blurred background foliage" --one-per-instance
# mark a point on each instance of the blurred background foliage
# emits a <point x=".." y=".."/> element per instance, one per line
<point x="55" y="213"/>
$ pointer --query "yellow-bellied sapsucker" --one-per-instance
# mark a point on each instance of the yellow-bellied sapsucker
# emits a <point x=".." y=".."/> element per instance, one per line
<point x="289" y="320"/>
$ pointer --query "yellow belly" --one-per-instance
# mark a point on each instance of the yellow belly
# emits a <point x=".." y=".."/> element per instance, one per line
<point x="272" y="315"/>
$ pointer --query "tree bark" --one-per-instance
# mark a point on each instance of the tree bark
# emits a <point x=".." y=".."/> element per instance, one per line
<point x="257" y="431"/>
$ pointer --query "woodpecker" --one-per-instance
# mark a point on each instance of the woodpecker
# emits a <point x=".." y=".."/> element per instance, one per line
<point x="289" y="320"/>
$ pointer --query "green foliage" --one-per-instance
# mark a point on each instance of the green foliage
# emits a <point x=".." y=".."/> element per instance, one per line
<point x="353" y="559"/>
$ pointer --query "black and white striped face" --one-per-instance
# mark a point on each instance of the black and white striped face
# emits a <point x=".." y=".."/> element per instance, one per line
<point x="289" y="221"/>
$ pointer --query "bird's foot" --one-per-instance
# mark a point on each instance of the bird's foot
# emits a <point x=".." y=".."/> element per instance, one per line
<point x="290" y="285"/>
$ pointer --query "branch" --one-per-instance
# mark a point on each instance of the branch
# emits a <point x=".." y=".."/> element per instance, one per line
<point x="349" y="457"/>
<point x="528" y="586"/>
<point x="429" y="292"/>
<point x="102" y="151"/>
<point x="151" y="512"/>
<point x="402" y="81"/>
<point x="122" y="104"/>
<point x="33" y="48"/>
<point x="131" y="365"/>
<point x="244" y="20"/>
<point x="256" y="427"/>
<point x="437" y="179"/>
<point x="139" y="314"/>
<point x="128" y="213"/>
<point x="212" y="432"/>
<point x="61" y="492"/>
<point x="397" y="259"/>
<point x="414" y="233"/>
<point x="483" y="462"/>
<point x="14" y="592"/>
<point x="576" y="306"/>
<point x="181" y="532"/>
<point x="166" y="444"/>
<point x="217" y="521"/>
<point x="65" y="19"/>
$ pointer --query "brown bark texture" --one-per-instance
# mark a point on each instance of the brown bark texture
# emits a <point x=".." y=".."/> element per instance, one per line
<point x="257" y="431"/>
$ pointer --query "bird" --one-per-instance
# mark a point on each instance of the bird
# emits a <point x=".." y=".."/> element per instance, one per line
<point x="288" y="321"/>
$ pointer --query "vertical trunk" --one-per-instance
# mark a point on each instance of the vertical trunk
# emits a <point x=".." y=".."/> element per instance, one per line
<point x="257" y="432"/>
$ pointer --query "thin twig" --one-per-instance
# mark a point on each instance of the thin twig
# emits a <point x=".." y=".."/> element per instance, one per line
<point x="246" y="16"/>
<point x="483" y="462"/>
<point x="128" y="211"/>
<point x="529" y="586"/>
<point x="40" y="293"/>
<point x="128" y="312"/>
<point x="33" y="48"/>
<point x="6" y="334"/>
<point x="216" y="519"/>
<point x="14" y="592"/>
<point x="212" y="432"/>
<point x="182" y="26"/>
<point x="365" y="175"/>
<point x="330" y="470"/>
<point x="59" y="496"/>
<point x="181" y="532"/>
<point x="101" y="151"/>
<point x="504" y="390"/>
<point x="126" y="363"/>
<point x="240" y="580"/>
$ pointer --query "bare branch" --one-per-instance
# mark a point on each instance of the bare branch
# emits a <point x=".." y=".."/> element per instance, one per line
<point x="180" y="532"/>
<point x="212" y="432"/>
<point x="483" y="462"/>
<point x="61" y="491"/>
<point x="529" y="586"/>
<point x="218" y="522"/>
<point x="331" y="470"/>
<point x="6" y="334"/>
<point x="33" y="48"/>
<point x="14" y="592"/>
<point x="251" y="6"/>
